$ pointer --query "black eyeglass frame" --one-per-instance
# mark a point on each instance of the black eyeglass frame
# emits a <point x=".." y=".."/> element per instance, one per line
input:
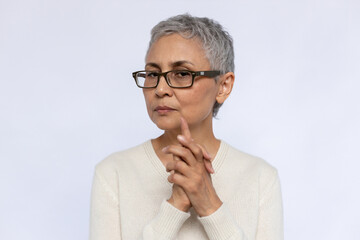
<point x="194" y="74"/>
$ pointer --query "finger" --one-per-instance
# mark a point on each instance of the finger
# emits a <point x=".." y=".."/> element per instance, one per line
<point x="209" y="167"/>
<point x="206" y="154"/>
<point x="177" y="167"/>
<point x="207" y="158"/>
<point x="185" y="129"/>
<point x="178" y="179"/>
<point x="187" y="140"/>
<point x="181" y="152"/>
<point x="176" y="158"/>
<point x="192" y="146"/>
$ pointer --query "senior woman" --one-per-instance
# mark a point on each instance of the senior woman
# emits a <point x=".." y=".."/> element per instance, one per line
<point x="186" y="183"/>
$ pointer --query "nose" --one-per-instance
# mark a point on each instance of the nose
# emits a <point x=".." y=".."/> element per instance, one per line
<point x="163" y="88"/>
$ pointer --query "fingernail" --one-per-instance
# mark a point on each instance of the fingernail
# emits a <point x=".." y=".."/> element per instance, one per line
<point x="181" y="138"/>
<point x="208" y="155"/>
<point x="211" y="168"/>
<point x="165" y="149"/>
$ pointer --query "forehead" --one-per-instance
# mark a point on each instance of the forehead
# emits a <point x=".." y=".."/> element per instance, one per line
<point x="174" y="48"/>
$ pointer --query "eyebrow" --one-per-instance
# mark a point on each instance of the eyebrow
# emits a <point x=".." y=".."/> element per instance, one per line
<point x="174" y="64"/>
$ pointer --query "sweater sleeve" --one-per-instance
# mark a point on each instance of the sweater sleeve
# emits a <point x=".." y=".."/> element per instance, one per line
<point x="166" y="224"/>
<point x="270" y="223"/>
<point x="104" y="211"/>
<point x="220" y="225"/>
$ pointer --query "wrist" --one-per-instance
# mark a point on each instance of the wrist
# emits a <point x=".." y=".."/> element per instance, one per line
<point x="179" y="204"/>
<point x="211" y="209"/>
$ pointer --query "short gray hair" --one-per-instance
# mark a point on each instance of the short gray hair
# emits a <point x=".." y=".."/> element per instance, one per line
<point x="217" y="43"/>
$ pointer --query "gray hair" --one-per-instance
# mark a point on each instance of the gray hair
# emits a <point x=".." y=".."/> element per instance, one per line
<point x="217" y="43"/>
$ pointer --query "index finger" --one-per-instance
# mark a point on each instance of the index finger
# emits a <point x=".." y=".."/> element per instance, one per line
<point x="185" y="131"/>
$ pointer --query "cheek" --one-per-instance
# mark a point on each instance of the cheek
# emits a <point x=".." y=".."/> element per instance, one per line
<point x="199" y="102"/>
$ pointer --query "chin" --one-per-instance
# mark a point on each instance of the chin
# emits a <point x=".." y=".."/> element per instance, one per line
<point x="167" y="124"/>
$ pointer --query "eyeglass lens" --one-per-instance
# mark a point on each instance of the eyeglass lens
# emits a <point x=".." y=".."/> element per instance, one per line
<point x="174" y="78"/>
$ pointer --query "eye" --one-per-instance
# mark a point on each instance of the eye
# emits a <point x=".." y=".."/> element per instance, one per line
<point x="182" y="74"/>
<point x="152" y="74"/>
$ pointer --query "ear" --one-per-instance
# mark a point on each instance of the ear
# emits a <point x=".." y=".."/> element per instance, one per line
<point x="226" y="83"/>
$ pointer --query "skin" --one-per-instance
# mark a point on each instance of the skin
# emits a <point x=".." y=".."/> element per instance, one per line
<point x="185" y="115"/>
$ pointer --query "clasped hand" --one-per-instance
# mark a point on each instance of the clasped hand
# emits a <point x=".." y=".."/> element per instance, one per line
<point x="190" y="174"/>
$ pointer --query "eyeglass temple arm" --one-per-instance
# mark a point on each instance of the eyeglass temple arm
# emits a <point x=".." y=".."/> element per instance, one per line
<point x="209" y="73"/>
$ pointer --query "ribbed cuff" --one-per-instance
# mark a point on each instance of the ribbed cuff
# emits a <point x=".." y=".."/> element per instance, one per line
<point x="220" y="225"/>
<point x="169" y="220"/>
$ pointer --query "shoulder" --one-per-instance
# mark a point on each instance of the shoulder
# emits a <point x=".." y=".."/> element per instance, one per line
<point x="250" y="165"/>
<point x="121" y="160"/>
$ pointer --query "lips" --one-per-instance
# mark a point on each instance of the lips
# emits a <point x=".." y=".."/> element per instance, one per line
<point x="163" y="109"/>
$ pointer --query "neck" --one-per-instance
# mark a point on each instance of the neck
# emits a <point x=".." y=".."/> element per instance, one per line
<point x="202" y="134"/>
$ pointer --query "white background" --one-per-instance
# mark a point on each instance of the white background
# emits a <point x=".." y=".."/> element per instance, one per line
<point x="67" y="100"/>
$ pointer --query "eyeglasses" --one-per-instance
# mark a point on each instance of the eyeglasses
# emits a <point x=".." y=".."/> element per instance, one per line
<point x="174" y="78"/>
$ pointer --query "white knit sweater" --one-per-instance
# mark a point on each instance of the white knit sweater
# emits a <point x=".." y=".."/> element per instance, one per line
<point x="130" y="189"/>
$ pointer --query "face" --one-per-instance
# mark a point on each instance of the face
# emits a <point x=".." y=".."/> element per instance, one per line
<point x="165" y="105"/>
